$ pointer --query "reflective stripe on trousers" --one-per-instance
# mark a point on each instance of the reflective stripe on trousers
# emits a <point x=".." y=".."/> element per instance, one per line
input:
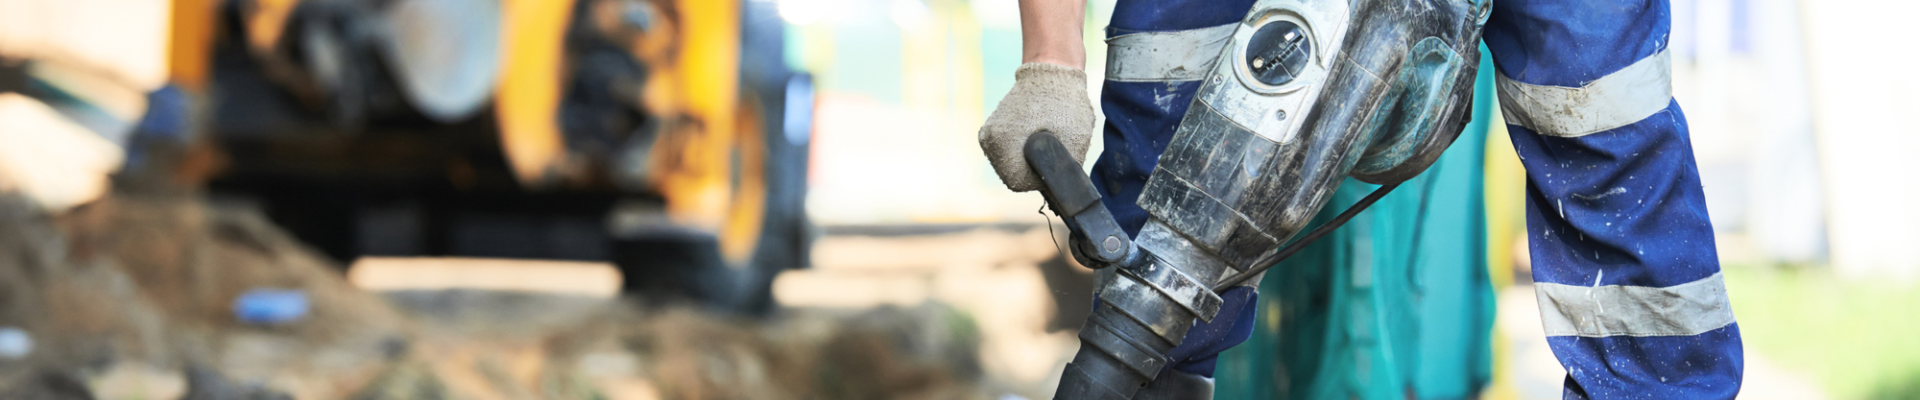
<point x="1158" y="50"/>
<point x="1628" y="282"/>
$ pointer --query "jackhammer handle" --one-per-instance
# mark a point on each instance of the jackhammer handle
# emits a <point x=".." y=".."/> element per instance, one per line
<point x="1095" y="237"/>
<point x="1068" y="191"/>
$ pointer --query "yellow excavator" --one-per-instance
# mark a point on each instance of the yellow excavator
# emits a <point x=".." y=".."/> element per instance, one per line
<point x="667" y="136"/>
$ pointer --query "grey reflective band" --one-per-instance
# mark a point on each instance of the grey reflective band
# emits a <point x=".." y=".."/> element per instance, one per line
<point x="1618" y="99"/>
<point x="1686" y="309"/>
<point x="1166" y="56"/>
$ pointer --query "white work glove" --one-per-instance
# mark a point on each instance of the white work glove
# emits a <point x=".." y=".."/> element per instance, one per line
<point x="1044" y="97"/>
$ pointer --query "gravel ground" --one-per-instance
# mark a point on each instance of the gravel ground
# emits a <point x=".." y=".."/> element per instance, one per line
<point x="130" y="298"/>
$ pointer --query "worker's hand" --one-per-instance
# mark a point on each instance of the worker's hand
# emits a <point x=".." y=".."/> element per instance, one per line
<point x="1044" y="97"/>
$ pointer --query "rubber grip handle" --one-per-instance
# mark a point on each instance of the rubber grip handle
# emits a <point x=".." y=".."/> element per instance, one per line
<point x="1067" y="189"/>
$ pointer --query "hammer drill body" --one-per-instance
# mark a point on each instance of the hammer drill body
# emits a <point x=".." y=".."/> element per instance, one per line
<point x="1307" y="93"/>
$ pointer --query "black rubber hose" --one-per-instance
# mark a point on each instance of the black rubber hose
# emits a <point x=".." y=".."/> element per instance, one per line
<point x="1298" y="245"/>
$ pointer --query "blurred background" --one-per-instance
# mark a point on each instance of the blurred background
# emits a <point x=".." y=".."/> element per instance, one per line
<point x="666" y="199"/>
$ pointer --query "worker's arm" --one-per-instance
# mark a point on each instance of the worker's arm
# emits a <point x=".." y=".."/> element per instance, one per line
<point x="1050" y="32"/>
<point x="1049" y="92"/>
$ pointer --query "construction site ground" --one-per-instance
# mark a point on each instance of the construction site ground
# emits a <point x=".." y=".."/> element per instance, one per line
<point x="132" y="297"/>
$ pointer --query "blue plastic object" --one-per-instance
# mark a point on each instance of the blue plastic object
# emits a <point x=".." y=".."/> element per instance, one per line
<point x="271" y="306"/>
<point x="14" y="343"/>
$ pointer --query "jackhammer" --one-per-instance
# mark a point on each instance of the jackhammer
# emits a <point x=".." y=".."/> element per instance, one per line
<point x="1381" y="88"/>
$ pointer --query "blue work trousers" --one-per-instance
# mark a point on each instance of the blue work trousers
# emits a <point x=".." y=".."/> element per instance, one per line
<point x="1622" y="250"/>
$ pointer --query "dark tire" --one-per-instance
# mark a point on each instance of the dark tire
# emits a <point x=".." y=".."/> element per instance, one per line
<point x="678" y="264"/>
<point x="690" y="266"/>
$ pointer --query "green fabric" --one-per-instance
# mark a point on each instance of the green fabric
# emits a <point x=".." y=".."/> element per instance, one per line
<point x="1394" y="305"/>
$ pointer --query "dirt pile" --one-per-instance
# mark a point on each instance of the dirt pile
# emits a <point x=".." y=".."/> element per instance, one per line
<point x="147" y="284"/>
<point x="503" y="345"/>
<point x="133" y="297"/>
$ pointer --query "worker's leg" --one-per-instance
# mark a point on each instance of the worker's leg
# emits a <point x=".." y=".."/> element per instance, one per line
<point x="1623" y="258"/>
<point x="1143" y="101"/>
